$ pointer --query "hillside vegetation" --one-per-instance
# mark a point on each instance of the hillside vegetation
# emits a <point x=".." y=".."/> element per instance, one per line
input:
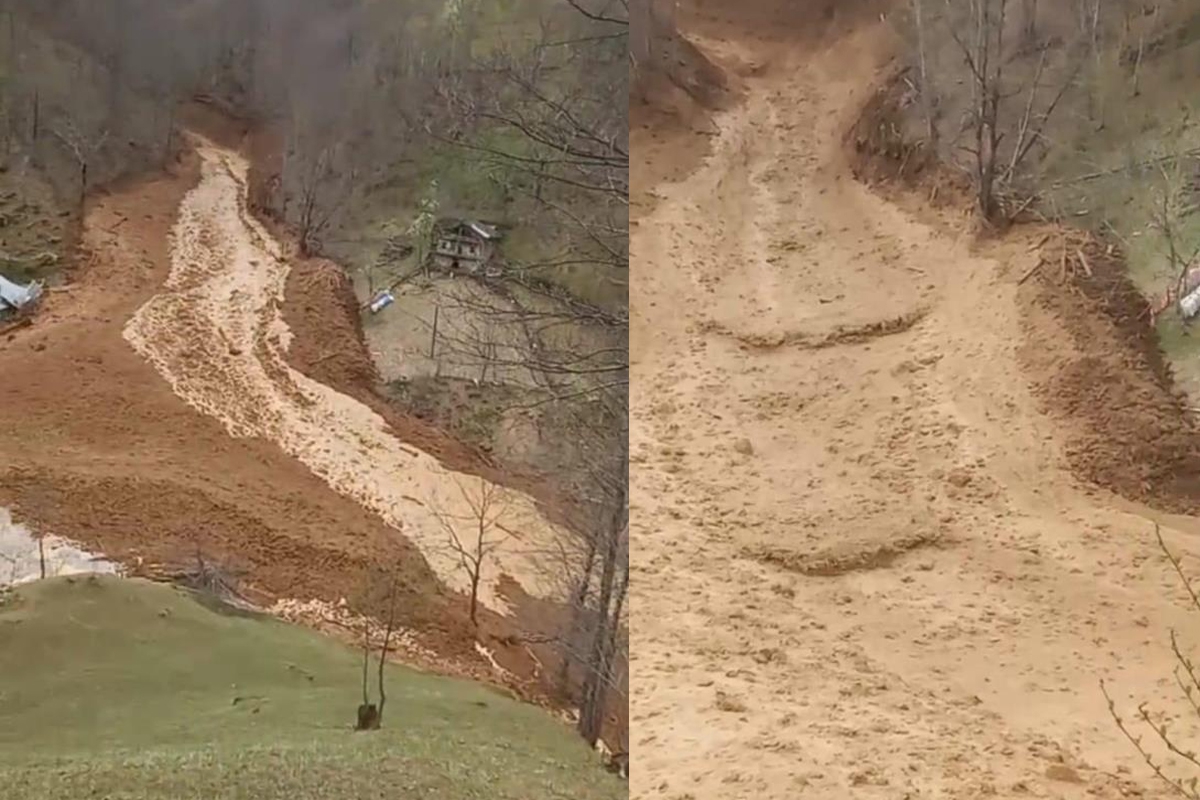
<point x="1095" y="124"/>
<point x="123" y="689"/>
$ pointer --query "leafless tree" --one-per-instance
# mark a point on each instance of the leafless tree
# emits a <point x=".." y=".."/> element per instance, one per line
<point x="1029" y="11"/>
<point x="1187" y="678"/>
<point x="1171" y="208"/>
<point x="381" y="587"/>
<point x="612" y="590"/>
<point x="928" y="98"/>
<point x="978" y="30"/>
<point x="82" y="148"/>
<point x="321" y="189"/>
<point x="475" y="538"/>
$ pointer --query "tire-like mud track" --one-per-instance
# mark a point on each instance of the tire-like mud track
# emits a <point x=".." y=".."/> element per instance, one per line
<point x="216" y="333"/>
<point x="863" y="569"/>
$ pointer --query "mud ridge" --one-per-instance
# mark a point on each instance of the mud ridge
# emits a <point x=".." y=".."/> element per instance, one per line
<point x="845" y="558"/>
<point x="1128" y="427"/>
<point x="842" y="335"/>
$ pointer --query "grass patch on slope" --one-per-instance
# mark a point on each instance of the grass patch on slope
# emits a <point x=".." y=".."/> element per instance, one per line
<point x="134" y="691"/>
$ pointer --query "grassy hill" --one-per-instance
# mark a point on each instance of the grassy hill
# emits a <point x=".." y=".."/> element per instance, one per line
<point x="123" y="689"/>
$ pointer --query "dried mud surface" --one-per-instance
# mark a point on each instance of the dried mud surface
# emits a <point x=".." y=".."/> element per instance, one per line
<point x="883" y="567"/>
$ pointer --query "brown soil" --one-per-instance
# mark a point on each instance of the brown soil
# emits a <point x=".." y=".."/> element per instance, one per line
<point x="801" y="630"/>
<point x="328" y="345"/>
<point x="1129" y="430"/>
<point x="1126" y="427"/>
<point x="106" y="454"/>
<point x="902" y="170"/>
<point x="672" y="103"/>
<point x="101" y="451"/>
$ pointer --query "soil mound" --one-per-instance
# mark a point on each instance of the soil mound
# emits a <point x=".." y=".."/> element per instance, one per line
<point x="1129" y="429"/>
<point x="884" y="157"/>
<point x="1091" y="351"/>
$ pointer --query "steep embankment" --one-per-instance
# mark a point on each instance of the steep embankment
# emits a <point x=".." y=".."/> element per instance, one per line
<point x="868" y="567"/>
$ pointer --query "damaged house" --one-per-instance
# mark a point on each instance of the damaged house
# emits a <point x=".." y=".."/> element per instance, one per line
<point x="467" y="246"/>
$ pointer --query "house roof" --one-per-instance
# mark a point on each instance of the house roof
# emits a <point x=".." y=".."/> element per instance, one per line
<point x="481" y="229"/>
<point x="484" y="231"/>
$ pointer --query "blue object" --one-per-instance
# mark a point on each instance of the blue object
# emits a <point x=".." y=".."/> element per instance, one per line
<point x="381" y="301"/>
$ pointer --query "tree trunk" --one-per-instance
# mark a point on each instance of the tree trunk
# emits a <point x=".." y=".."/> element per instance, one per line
<point x="591" y="709"/>
<point x="168" y="145"/>
<point x="366" y="661"/>
<point x="927" y="99"/>
<point x="578" y="600"/>
<point x="1029" y="23"/>
<point x="475" y="596"/>
<point x="387" y="643"/>
<point x="368" y="718"/>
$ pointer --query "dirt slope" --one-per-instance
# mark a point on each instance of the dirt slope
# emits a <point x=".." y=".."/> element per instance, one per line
<point x="867" y="568"/>
<point x="217" y="335"/>
<point x="101" y="450"/>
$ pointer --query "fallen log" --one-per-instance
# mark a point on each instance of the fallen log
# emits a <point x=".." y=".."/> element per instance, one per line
<point x="1029" y="273"/>
<point x="16" y="325"/>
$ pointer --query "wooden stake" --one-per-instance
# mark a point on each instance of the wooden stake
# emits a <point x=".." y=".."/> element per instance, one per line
<point x="1083" y="260"/>
<point x="433" y="338"/>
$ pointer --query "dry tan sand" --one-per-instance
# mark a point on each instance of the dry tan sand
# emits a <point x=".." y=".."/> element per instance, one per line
<point x="216" y="334"/>
<point x="862" y="567"/>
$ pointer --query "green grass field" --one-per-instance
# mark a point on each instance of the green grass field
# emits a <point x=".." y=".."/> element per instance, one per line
<point x="127" y="690"/>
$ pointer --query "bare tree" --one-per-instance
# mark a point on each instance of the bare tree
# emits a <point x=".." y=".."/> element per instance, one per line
<point x="1187" y="678"/>
<point x="928" y="98"/>
<point x="474" y="538"/>
<point x="424" y="226"/>
<point x="321" y="189"/>
<point x="978" y="31"/>
<point x="381" y="587"/>
<point x="1029" y="11"/>
<point x="82" y="148"/>
<point x="1171" y="207"/>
